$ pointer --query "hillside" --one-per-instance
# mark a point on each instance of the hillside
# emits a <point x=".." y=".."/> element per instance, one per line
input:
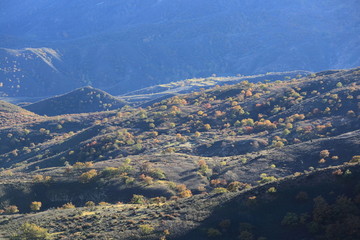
<point x="11" y="115"/>
<point x="317" y="205"/>
<point x="148" y="96"/>
<point x="214" y="150"/>
<point x="82" y="100"/>
<point x="128" y="45"/>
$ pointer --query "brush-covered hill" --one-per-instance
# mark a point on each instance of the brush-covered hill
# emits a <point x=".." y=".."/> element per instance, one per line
<point x="176" y="152"/>
<point x="82" y="100"/>
<point x="11" y="115"/>
<point x="126" y="45"/>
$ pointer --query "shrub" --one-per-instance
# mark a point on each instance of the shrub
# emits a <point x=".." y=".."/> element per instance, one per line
<point x="138" y="199"/>
<point x="213" y="232"/>
<point x="103" y="204"/>
<point x="83" y="165"/>
<point x="109" y="172"/>
<point x="207" y="127"/>
<point x="38" y="178"/>
<point x="290" y="219"/>
<point x="219" y="190"/>
<point x="157" y="173"/>
<point x="265" y="178"/>
<point x="147" y="179"/>
<point x="272" y="190"/>
<point x="233" y="186"/>
<point x="11" y="209"/>
<point x="204" y="168"/>
<point x="246" y="235"/>
<point x="146" y="229"/>
<point x="31" y="231"/>
<point x="324" y="153"/>
<point x="185" y="194"/>
<point x="35" y="206"/>
<point x="87" y="176"/>
<point x="89" y="204"/>
<point x="68" y="206"/>
<point x="339" y="85"/>
<point x="355" y="159"/>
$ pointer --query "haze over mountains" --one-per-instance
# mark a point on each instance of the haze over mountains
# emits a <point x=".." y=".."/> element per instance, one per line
<point x="52" y="47"/>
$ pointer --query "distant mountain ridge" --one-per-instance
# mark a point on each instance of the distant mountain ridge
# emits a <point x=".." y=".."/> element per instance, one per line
<point x="128" y="45"/>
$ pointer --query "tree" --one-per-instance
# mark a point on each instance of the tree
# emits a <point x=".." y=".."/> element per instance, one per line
<point x="35" y="206"/>
<point x="30" y="231"/>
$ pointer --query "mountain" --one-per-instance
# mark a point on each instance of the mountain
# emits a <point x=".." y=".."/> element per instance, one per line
<point x="128" y="45"/>
<point x="233" y="160"/>
<point x="82" y="100"/>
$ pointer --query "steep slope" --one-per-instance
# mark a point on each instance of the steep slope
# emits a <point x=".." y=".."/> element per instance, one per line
<point x="82" y="100"/>
<point x="127" y="45"/>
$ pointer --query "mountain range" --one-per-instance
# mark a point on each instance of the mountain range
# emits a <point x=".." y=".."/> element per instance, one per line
<point x="52" y="47"/>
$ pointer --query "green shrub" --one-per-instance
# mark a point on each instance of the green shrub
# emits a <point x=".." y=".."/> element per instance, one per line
<point x="146" y="229"/>
<point x="30" y="231"/>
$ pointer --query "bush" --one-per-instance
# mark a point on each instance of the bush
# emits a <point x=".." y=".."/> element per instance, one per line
<point x="68" y="206"/>
<point x="213" y="232"/>
<point x="138" y="199"/>
<point x="146" y="229"/>
<point x="234" y="186"/>
<point x="35" y="206"/>
<point x="324" y="153"/>
<point x="30" y="231"/>
<point x="290" y="219"/>
<point x="185" y="194"/>
<point x="157" y="173"/>
<point x="219" y="190"/>
<point x="110" y="172"/>
<point x="89" y="204"/>
<point x="87" y="176"/>
<point x="355" y="159"/>
<point x="272" y="190"/>
<point x="11" y="209"/>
